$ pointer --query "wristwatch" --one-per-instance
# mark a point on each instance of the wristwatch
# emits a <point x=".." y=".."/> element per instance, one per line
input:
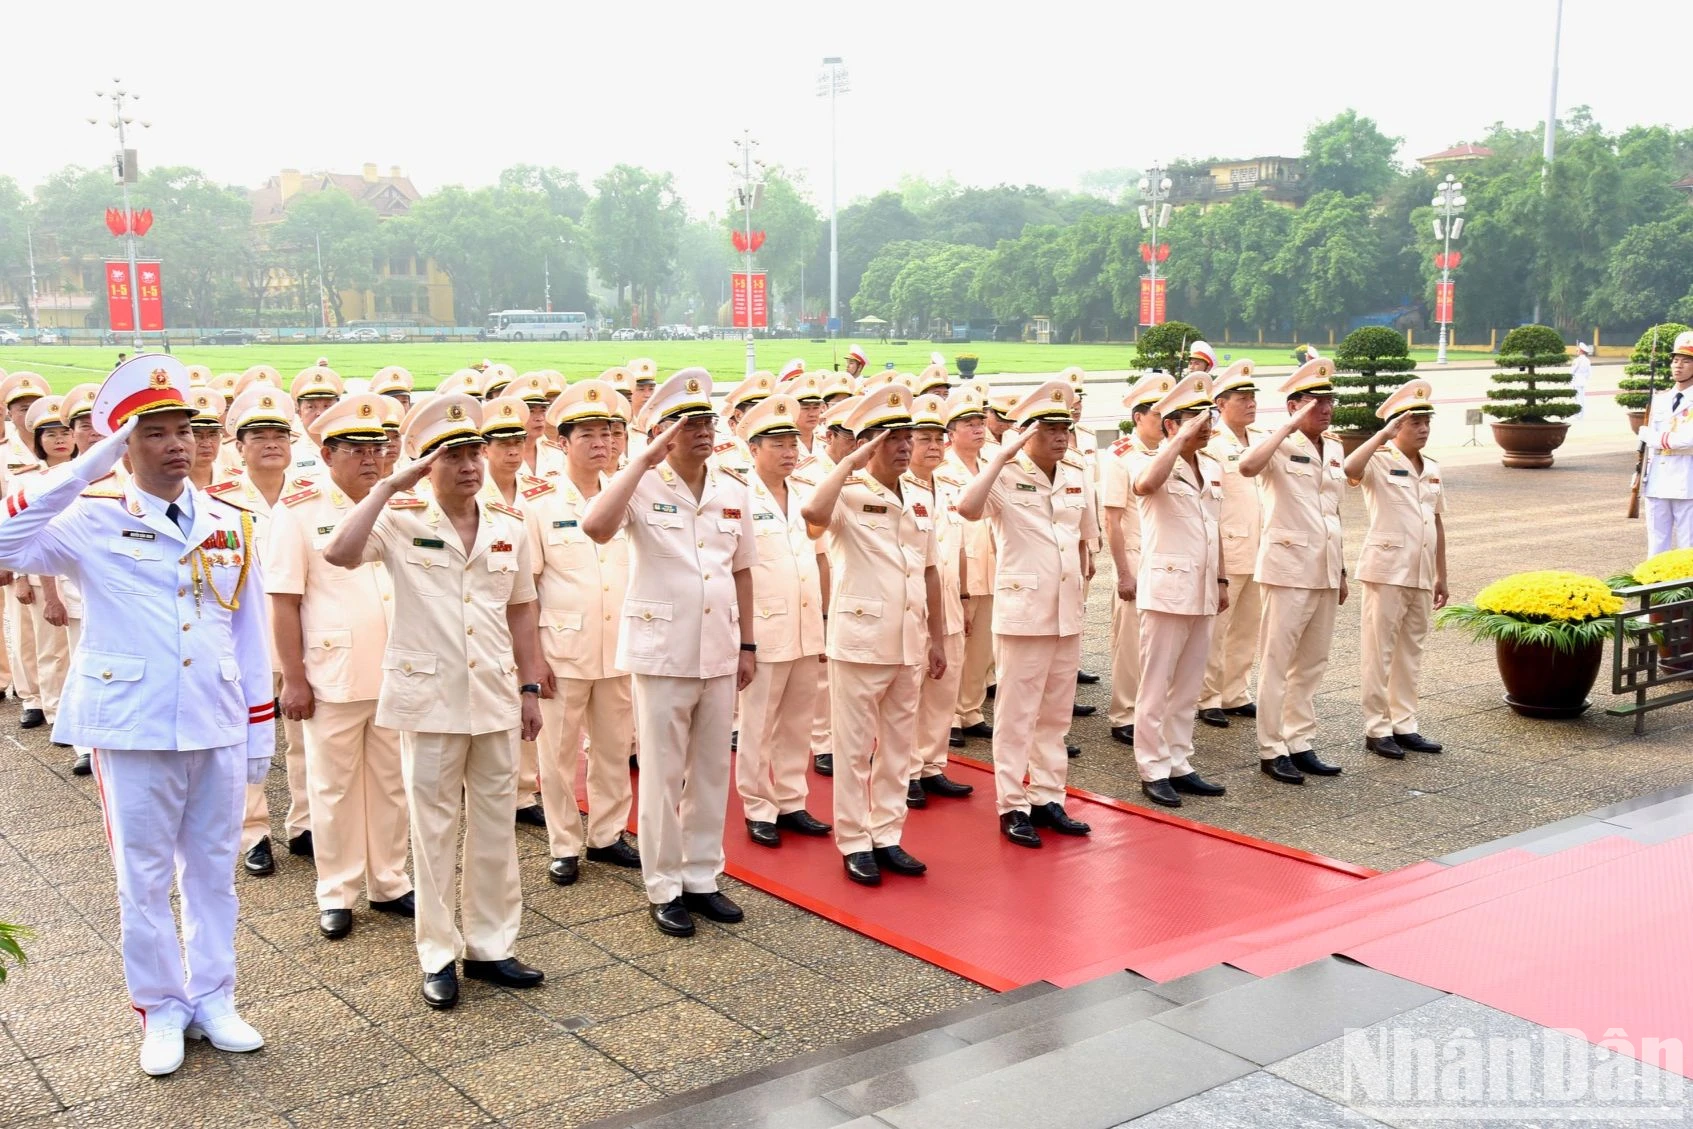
<point x="749" y="648"/>
<point x="529" y="688"/>
<point x="1223" y="580"/>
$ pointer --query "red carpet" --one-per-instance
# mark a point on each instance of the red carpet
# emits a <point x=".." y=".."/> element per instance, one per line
<point x="1004" y="915"/>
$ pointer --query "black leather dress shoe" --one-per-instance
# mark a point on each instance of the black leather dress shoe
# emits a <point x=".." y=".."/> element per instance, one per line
<point x="564" y="871"/>
<point x="1160" y="792"/>
<point x="533" y="815"/>
<point x="915" y="797"/>
<point x="992" y="690"/>
<point x="1015" y="825"/>
<point x="32" y="719"/>
<point x="955" y="738"/>
<point x="258" y="861"/>
<point x="301" y="845"/>
<point x="981" y="729"/>
<point x="1196" y="785"/>
<point x="734" y="740"/>
<point x="1072" y="751"/>
<point x="335" y="923"/>
<point x="715" y="905"/>
<point x="1281" y="768"/>
<point x="1417" y="743"/>
<point x="83" y="766"/>
<point x="1054" y="816"/>
<point x="619" y="853"/>
<point x="898" y="860"/>
<point x="861" y="868"/>
<point x="1213" y="718"/>
<point x="1086" y="677"/>
<point x="1250" y="709"/>
<point x="940" y="785"/>
<point x="441" y="989"/>
<point x="1311" y="764"/>
<point x="802" y="822"/>
<point x="672" y="917"/>
<point x="507" y="973"/>
<point x="1123" y="734"/>
<point x="634" y="763"/>
<point x="403" y="906"/>
<point x="1079" y="710"/>
<point x="823" y="764"/>
<point x="1385" y="747"/>
<point x="763" y="833"/>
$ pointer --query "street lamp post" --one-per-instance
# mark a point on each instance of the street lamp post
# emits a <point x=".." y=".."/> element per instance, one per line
<point x="833" y="83"/>
<point x="1448" y="225"/>
<point x="751" y="172"/>
<point x="1154" y="190"/>
<point x="125" y="170"/>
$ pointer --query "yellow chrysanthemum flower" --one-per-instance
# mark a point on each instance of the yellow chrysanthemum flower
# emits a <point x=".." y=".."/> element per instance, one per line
<point x="1551" y="596"/>
<point x="1676" y="564"/>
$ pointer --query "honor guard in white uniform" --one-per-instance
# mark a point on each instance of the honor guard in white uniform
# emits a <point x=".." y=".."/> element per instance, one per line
<point x="885" y="630"/>
<point x="1181" y="588"/>
<point x="1301" y="572"/>
<point x="1402" y="567"/>
<point x="169" y="685"/>
<point x="18" y="391"/>
<point x="50" y="440"/>
<point x="1041" y="511"/>
<point x="1668" y="435"/>
<point x="855" y="361"/>
<point x="838" y="442"/>
<point x="331" y="629"/>
<point x="788" y="588"/>
<point x="938" y="697"/>
<point x="1234" y="635"/>
<point x="581" y="586"/>
<point x="687" y="638"/>
<point x="460" y="682"/>
<point x="1201" y="357"/>
<point x="1123" y="539"/>
<point x="967" y="432"/>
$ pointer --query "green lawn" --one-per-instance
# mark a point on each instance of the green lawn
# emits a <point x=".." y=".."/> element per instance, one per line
<point x="64" y="366"/>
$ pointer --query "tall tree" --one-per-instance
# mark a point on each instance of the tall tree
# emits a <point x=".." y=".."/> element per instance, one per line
<point x="864" y="228"/>
<point x="1350" y="154"/>
<point x="634" y="226"/>
<point x="346" y="232"/>
<point x="14" y="243"/>
<point x="200" y="233"/>
<point x="564" y="192"/>
<point x="1332" y="259"/>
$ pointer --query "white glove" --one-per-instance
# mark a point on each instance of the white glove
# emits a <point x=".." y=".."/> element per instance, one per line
<point x="104" y="455"/>
<point x="257" y="769"/>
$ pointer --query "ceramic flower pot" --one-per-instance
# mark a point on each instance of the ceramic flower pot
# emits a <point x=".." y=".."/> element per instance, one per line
<point x="1544" y="682"/>
<point x="1636" y="420"/>
<point x="1528" y="445"/>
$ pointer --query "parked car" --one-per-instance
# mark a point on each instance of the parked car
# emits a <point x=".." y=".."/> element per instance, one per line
<point x="396" y="335"/>
<point x="46" y="337"/>
<point x="364" y="335"/>
<point x="226" y="337"/>
<point x="623" y="335"/>
<point x="9" y="337"/>
<point x="263" y="336"/>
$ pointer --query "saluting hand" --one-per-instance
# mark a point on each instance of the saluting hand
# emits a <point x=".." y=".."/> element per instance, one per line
<point x="415" y="473"/>
<point x="1013" y="441"/>
<point x="1394" y="426"/>
<point x="659" y="447"/>
<point x="1192" y="425"/>
<point x="859" y="457"/>
<point x="1305" y="409"/>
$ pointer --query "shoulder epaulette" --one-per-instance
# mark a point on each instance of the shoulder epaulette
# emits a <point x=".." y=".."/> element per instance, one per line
<point x="721" y="447"/>
<point x="218" y="489"/>
<point x="802" y="481"/>
<point x="1122" y="444"/>
<point x="542" y="486"/>
<point x="948" y="481"/>
<point x="305" y="482"/>
<point x="108" y="490"/>
<point x="734" y="472"/>
<point x="1072" y="459"/>
<point x="1331" y="435"/>
<point x="30" y="469"/>
<point x="406" y="502"/>
<point x="857" y="480"/>
<point x="310" y="492"/>
<point x="509" y="511"/>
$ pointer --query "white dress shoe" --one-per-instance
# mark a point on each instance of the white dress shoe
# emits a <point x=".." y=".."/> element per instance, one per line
<point x="161" y="1050"/>
<point x="227" y="1033"/>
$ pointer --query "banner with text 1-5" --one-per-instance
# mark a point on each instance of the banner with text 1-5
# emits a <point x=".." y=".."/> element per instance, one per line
<point x="119" y="308"/>
<point x="1152" y="297"/>
<point x="1443" y="302"/>
<point x="749" y="298"/>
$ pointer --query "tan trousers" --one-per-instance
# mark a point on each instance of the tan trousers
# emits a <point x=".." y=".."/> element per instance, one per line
<point x="255" y="823"/>
<point x="5" y="645"/>
<point x="52" y="656"/>
<point x="977" y="664"/>
<point x="20" y="646"/>
<point x="936" y="699"/>
<point x="73" y="636"/>
<point x="528" y="775"/>
<point x="357" y="800"/>
<point x="1125" y="661"/>
<point x="1294" y="635"/>
<point x="875" y="750"/>
<point x="683" y="794"/>
<point x="600" y="709"/>
<point x="777" y="710"/>
<point x="1396" y="623"/>
<point x="1172" y="668"/>
<point x="444" y="772"/>
<point x="1234" y="643"/>
<point x="822" y="740"/>
<point x="1037" y="687"/>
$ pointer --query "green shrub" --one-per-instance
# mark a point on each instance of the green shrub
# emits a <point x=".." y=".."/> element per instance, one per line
<point x="1634" y="384"/>
<point x="966" y="363"/>
<point x="1164" y="347"/>
<point x="1367" y="366"/>
<point x="1535" y="392"/>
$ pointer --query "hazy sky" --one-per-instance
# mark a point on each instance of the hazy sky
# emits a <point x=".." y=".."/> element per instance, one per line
<point x="1036" y="93"/>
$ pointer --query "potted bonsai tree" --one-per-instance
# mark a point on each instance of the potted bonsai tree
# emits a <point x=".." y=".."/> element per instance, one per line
<point x="1369" y="362"/>
<point x="1164" y="347"/>
<point x="1634" y="389"/>
<point x="1530" y="403"/>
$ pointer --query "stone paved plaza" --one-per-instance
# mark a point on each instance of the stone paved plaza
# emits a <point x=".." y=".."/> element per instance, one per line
<point x="628" y="1016"/>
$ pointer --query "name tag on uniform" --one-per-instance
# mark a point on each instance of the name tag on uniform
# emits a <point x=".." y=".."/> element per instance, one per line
<point x="663" y="508"/>
<point x="764" y="516"/>
<point x="1029" y="486"/>
<point x="428" y="543"/>
<point x="1233" y="458"/>
<point x="323" y="529"/>
<point x="564" y="525"/>
<point x="733" y="515"/>
<point x="875" y="509"/>
<point x="917" y="508"/>
<point x="1400" y="472"/>
<point x="139" y="535"/>
<point x="1299" y="458"/>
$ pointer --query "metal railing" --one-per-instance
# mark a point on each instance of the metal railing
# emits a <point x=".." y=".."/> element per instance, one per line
<point x="1651" y="649"/>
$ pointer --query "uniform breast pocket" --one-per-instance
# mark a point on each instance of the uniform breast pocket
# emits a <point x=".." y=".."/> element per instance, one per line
<point x="646" y="627"/>
<point x="329" y="657"/>
<point x="570" y="548"/>
<point x="110" y="697"/>
<point x="130" y="562"/>
<point x="772" y="544"/>
<point x="1380" y="552"/>
<point x="1168" y="579"/>
<point x="770" y="608"/>
<point x="666" y="530"/>
<point x="502" y="572"/>
<point x="1301" y="470"/>
<point x="857" y="624"/>
<point x="408" y="681"/>
<point x="1015" y="595"/>
<point x="430" y="573"/>
<point x="231" y="704"/>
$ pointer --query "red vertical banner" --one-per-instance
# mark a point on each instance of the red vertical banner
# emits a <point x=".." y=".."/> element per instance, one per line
<point x="749" y="300"/>
<point x="1443" y="302"/>
<point x="152" y="298"/>
<point x="760" y="302"/>
<point x="738" y="300"/>
<point x="118" y="309"/>
<point x="1153" y="293"/>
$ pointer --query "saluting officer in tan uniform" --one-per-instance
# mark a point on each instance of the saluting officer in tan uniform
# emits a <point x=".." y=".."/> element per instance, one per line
<point x="837" y="444"/>
<point x="461" y="683"/>
<point x="18" y="391"/>
<point x="51" y="442"/>
<point x="581" y="587"/>
<point x="788" y="591"/>
<point x="1123" y="539"/>
<point x="1180" y="590"/>
<point x="1300" y="572"/>
<point x="1402" y="566"/>
<point x="886" y="626"/>
<point x="689" y="607"/>
<point x="1041" y="510"/>
<point x="1234" y="636"/>
<point x="967" y="433"/>
<point x="331" y="629"/>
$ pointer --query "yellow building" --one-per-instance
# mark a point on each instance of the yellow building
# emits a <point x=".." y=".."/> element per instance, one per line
<point x="411" y="288"/>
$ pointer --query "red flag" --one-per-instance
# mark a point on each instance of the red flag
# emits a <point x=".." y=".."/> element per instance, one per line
<point x="116" y="223"/>
<point x="142" y="221"/>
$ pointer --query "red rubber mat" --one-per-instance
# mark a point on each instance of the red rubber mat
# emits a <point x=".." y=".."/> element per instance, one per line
<point x="1005" y="916"/>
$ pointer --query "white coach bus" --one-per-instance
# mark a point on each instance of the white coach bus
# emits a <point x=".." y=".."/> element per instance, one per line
<point x="533" y="325"/>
